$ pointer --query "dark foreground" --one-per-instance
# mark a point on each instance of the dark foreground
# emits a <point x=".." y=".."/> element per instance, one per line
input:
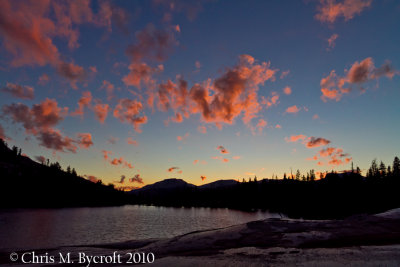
<point x="363" y="240"/>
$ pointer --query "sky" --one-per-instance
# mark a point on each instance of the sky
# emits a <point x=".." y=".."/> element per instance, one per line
<point x="134" y="92"/>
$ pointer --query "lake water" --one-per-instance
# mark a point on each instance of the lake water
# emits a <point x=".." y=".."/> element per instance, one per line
<point x="48" y="228"/>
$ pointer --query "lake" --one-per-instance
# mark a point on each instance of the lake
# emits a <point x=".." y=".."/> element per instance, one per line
<point x="24" y="229"/>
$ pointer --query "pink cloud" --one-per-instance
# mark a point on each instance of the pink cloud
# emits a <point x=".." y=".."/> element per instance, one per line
<point x="316" y="142"/>
<point x="332" y="41"/>
<point x="141" y="73"/>
<point x="153" y="44"/>
<point x="260" y="126"/>
<point x="106" y="154"/>
<point x="19" y="91"/>
<point x="53" y="139"/>
<point x="295" y="138"/>
<point x="136" y="179"/>
<point x="172" y="169"/>
<point x="109" y="87"/>
<point x="129" y="111"/>
<point x="273" y="100"/>
<point x="287" y="90"/>
<point x="334" y="157"/>
<point x="220" y="101"/>
<point x="85" y="140"/>
<point x="130" y="141"/>
<point x="83" y="102"/>
<point x="101" y="111"/>
<point x="40" y="117"/>
<point x="293" y="109"/>
<point x="121" y="161"/>
<point x="182" y="138"/>
<point x="333" y="86"/>
<point x="222" y="150"/>
<point x="92" y="178"/>
<point x="74" y="73"/>
<point x="330" y="10"/>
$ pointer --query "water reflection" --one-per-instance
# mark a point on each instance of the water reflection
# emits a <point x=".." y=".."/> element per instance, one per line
<point x="45" y="228"/>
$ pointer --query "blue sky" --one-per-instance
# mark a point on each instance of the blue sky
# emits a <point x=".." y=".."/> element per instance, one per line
<point x="204" y="43"/>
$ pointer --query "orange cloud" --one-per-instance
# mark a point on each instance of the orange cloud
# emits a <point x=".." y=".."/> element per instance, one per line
<point x="121" y="161"/>
<point x="332" y="86"/>
<point x="40" y="117"/>
<point x="224" y="160"/>
<point x="330" y="10"/>
<point x="273" y="100"/>
<point x="293" y="109"/>
<point x="316" y="142"/>
<point x="295" y="138"/>
<point x="19" y="91"/>
<point x="335" y="156"/>
<point x="153" y="44"/>
<point x="260" y="126"/>
<point x="182" y="138"/>
<point x="287" y="90"/>
<point x="203" y="178"/>
<point x="236" y="157"/>
<point x="109" y="87"/>
<point x="101" y="111"/>
<point x="315" y="117"/>
<point x="172" y="169"/>
<point x="129" y="111"/>
<point x="53" y="139"/>
<point x="233" y="94"/>
<point x="136" y="179"/>
<point x="92" y="178"/>
<point x="141" y="73"/>
<point x="130" y="141"/>
<point x="29" y="27"/>
<point x="222" y="150"/>
<point x="83" y="102"/>
<point x="195" y="161"/>
<point x="72" y="72"/>
<point x="332" y="41"/>
<point x="85" y="140"/>
<point x="278" y="126"/>
<point x="106" y="154"/>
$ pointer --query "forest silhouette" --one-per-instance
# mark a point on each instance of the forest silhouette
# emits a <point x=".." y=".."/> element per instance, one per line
<point x="28" y="184"/>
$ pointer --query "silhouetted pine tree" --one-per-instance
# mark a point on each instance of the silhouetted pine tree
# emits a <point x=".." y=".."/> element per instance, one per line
<point x="396" y="167"/>
<point x="382" y="170"/>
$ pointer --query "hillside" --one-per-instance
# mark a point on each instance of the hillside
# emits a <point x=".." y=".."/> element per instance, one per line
<point x="26" y="183"/>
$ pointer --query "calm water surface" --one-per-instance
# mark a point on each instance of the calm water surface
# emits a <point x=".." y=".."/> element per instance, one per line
<point x="49" y="228"/>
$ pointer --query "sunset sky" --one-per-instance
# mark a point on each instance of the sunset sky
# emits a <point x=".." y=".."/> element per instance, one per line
<point x="201" y="90"/>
